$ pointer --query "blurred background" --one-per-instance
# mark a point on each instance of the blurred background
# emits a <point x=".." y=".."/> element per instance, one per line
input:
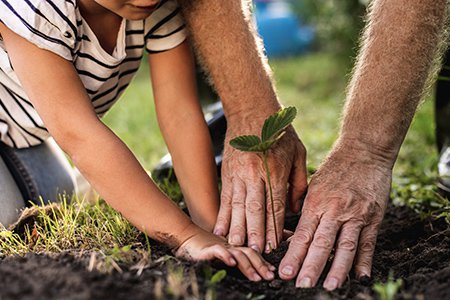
<point x="311" y="46"/>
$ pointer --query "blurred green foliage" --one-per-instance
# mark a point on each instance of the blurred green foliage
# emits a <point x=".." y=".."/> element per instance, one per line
<point x="338" y="23"/>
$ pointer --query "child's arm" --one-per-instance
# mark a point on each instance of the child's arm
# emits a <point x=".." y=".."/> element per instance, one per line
<point x="57" y="93"/>
<point x="185" y="132"/>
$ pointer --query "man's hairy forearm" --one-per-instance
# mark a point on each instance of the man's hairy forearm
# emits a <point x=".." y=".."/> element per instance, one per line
<point x="228" y="46"/>
<point x="399" y="45"/>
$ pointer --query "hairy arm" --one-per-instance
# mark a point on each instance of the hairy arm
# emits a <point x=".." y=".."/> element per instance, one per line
<point x="347" y="196"/>
<point x="227" y="43"/>
<point x="185" y="132"/>
<point x="389" y="79"/>
<point x="231" y="51"/>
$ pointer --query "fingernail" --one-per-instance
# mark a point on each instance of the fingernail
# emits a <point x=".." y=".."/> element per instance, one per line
<point x="270" y="276"/>
<point x="305" y="283"/>
<point x="288" y="270"/>
<point x="331" y="284"/>
<point x="236" y="240"/>
<point x="233" y="261"/>
<point x="256" y="277"/>
<point x="269" y="247"/>
<point x="218" y="232"/>
<point x="256" y="248"/>
<point x="272" y="268"/>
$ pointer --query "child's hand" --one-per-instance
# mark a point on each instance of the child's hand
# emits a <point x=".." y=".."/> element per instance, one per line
<point x="206" y="246"/>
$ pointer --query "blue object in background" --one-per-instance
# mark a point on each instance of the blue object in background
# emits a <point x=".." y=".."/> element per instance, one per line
<point x="281" y="29"/>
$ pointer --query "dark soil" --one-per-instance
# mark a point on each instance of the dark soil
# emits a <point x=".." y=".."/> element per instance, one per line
<point x="416" y="251"/>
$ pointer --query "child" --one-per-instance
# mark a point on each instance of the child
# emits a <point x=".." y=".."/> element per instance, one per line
<point x="63" y="64"/>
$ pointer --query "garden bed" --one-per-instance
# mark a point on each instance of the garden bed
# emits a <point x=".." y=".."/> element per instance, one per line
<point x="415" y="250"/>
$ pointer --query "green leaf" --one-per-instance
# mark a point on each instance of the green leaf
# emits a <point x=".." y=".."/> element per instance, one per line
<point x="245" y="142"/>
<point x="218" y="277"/>
<point x="278" y="122"/>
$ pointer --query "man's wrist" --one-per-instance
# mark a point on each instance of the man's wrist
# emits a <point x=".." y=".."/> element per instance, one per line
<point x="364" y="149"/>
<point x="249" y="120"/>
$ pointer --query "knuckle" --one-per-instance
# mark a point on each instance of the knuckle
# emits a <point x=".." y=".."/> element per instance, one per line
<point x="238" y="202"/>
<point x="279" y="194"/>
<point x="255" y="207"/>
<point x="323" y="242"/>
<point x="225" y="203"/>
<point x="253" y="234"/>
<point x="278" y="205"/>
<point x="302" y="238"/>
<point x="367" y="246"/>
<point x="347" y="244"/>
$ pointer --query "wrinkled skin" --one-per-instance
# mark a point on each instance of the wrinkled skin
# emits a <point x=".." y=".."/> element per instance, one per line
<point x="343" y="210"/>
<point x="347" y="196"/>
<point x="243" y="211"/>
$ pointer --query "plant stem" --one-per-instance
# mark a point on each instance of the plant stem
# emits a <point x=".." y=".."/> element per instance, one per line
<point x="266" y="166"/>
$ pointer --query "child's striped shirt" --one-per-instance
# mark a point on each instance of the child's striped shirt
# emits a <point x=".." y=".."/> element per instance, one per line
<point x="57" y="26"/>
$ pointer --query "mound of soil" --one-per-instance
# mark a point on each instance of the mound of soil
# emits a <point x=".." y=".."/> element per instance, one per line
<point x="415" y="250"/>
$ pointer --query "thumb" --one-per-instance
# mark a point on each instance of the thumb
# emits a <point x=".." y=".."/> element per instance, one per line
<point x="298" y="184"/>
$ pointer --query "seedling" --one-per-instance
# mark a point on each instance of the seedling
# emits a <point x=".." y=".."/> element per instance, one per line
<point x="388" y="290"/>
<point x="212" y="280"/>
<point x="273" y="130"/>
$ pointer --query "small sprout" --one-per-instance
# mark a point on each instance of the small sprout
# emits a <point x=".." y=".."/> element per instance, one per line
<point x="218" y="277"/>
<point x="272" y="131"/>
<point x="388" y="290"/>
<point x="212" y="280"/>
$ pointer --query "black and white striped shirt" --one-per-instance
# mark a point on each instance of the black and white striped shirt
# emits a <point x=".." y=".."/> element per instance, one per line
<point x="57" y="25"/>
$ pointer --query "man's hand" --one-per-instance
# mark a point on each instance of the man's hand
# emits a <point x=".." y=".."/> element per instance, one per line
<point x="343" y="210"/>
<point x="347" y="196"/>
<point x="245" y="210"/>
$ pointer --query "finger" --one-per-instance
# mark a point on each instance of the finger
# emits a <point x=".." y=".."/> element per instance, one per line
<point x="271" y="267"/>
<point x="221" y="253"/>
<point x="223" y="218"/>
<point x="258" y="263"/>
<point x="318" y="252"/>
<point x="344" y="255"/>
<point x="244" y="265"/>
<point x="298" y="247"/>
<point x="255" y="212"/>
<point x="279" y="202"/>
<point x="297" y="182"/>
<point x="237" y="226"/>
<point x="366" y="248"/>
